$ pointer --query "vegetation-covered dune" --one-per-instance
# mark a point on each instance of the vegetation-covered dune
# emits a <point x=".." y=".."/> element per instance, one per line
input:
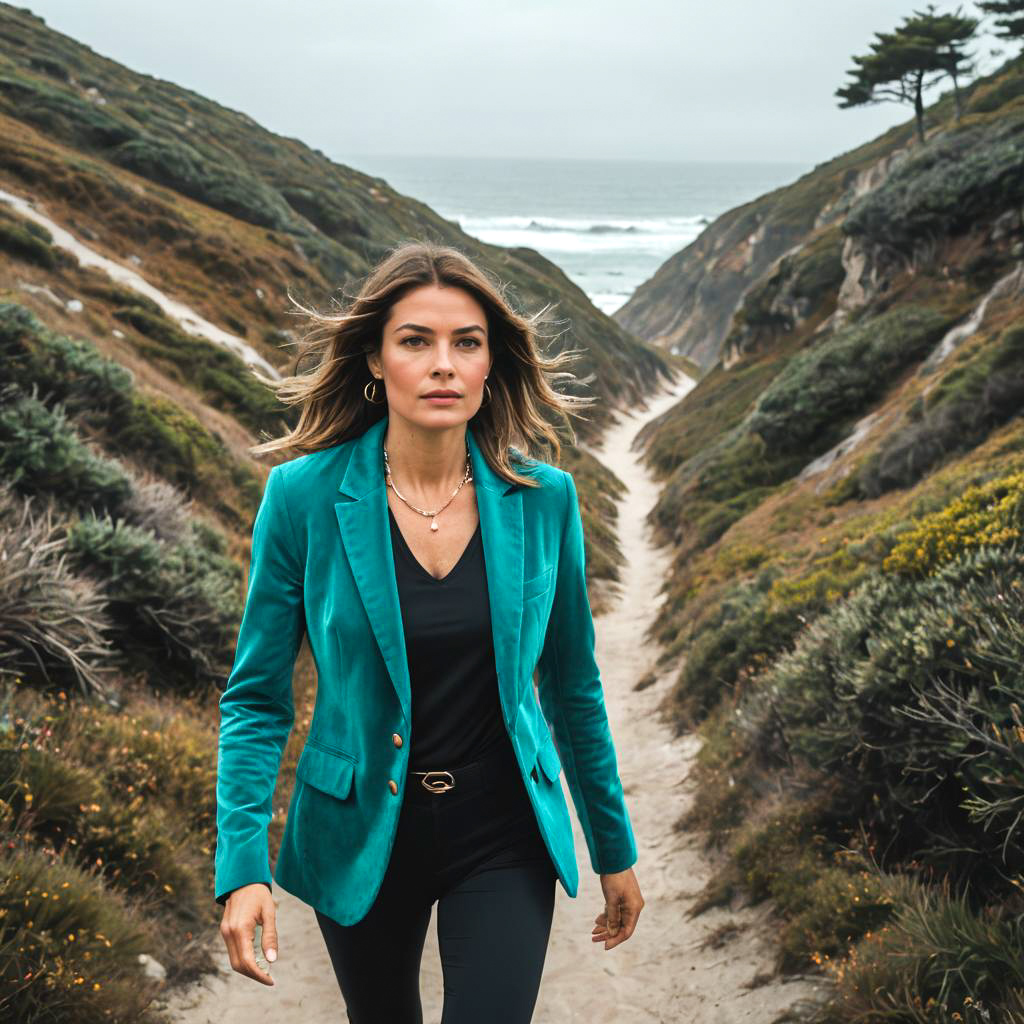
<point x="844" y="497"/>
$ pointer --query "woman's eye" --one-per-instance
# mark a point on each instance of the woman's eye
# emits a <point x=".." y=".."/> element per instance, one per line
<point x="474" y="342"/>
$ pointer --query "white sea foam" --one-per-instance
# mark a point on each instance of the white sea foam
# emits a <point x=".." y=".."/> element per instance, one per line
<point x="650" y="238"/>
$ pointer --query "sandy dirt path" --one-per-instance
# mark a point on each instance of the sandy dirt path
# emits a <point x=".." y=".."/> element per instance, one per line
<point x="661" y="974"/>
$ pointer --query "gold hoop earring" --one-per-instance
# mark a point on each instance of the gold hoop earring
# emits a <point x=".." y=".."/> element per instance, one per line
<point x="373" y="400"/>
<point x="487" y="395"/>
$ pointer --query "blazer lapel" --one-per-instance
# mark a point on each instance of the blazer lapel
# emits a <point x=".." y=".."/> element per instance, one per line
<point x="500" y="505"/>
<point x="366" y="537"/>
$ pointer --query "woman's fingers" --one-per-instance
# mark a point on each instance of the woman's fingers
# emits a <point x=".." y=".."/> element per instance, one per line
<point x="630" y="916"/>
<point x="618" y="921"/>
<point x="269" y="938"/>
<point x="613" y="910"/>
<point x="243" y="911"/>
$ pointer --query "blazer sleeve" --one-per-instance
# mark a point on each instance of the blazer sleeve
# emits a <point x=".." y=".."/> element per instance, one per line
<point x="570" y="692"/>
<point x="256" y="707"/>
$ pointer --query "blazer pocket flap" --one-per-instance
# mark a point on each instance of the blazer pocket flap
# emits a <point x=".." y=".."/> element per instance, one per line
<point x="549" y="760"/>
<point x="537" y="584"/>
<point x="325" y="770"/>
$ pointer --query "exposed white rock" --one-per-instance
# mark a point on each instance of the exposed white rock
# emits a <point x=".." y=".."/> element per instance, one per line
<point x="41" y="289"/>
<point x="1009" y="222"/>
<point x="867" y="268"/>
<point x="187" y="317"/>
<point x="152" y="968"/>
<point x="1011" y="284"/>
<point x="860" y="430"/>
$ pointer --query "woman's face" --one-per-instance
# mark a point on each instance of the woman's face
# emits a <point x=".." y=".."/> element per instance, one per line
<point x="434" y="339"/>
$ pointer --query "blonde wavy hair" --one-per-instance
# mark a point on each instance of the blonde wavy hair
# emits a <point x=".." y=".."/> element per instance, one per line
<point x="333" y="406"/>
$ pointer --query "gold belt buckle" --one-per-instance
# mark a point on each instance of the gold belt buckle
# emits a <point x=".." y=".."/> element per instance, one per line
<point x="439" y="785"/>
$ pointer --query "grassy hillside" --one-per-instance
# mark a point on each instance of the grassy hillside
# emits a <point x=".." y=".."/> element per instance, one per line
<point x="227" y="215"/>
<point x="844" y="497"/>
<point x="720" y="294"/>
<point x="128" y="493"/>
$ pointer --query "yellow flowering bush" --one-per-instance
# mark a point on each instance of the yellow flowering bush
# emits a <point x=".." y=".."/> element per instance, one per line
<point x="989" y="513"/>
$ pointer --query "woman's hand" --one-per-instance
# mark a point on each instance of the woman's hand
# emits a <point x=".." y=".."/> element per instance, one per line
<point x="246" y="907"/>
<point x="622" y="906"/>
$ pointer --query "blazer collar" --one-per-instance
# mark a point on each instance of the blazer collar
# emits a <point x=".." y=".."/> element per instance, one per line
<point x="362" y="515"/>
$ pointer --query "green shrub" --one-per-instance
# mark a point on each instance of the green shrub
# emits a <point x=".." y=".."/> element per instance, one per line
<point x="825" y="900"/>
<point x="225" y="186"/>
<point x="808" y="407"/>
<point x="90" y="386"/>
<point x="100" y="393"/>
<point x="175" y="607"/>
<point x="749" y="627"/>
<point x="41" y="453"/>
<point x="977" y="395"/>
<point x="741" y="630"/>
<point x="63" y="114"/>
<point x="951" y="185"/>
<point x="17" y="241"/>
<point x="53" y="624"/>
<point x="889" y="693"/>
<point x="218" y="375"/>
<point x="161" y="755"/>
<point x="117" y="809"/>
<point x="167" y="436"/>
<point x="66" y="807"/>
<point x="805" y="409"/>
<point x="69" y="949"/>
<point x="332" y="212"/>
<point x="717" y="486"/>
<point x="937" y="960"/>
<point x="136" y="746"/>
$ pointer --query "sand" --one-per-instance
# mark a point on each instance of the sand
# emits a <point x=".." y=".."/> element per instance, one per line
<point x="661" y="973"/>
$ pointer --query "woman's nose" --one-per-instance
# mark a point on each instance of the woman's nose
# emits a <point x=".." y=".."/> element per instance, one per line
<point x="443" y="360"/>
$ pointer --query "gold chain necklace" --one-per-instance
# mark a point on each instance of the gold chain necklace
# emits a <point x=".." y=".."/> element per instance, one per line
<point x="422" y="511"/>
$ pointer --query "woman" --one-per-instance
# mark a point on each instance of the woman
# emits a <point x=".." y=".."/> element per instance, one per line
<point x="434" y="568"/>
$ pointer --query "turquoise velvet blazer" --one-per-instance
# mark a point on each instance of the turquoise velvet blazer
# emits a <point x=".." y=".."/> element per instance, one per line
<point x="322" y="565"/>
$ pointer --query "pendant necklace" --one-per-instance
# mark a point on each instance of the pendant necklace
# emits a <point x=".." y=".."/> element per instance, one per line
<point x="422" y="511"/>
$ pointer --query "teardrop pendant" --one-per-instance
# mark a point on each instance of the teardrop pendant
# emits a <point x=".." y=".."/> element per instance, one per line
<point x="433" y="524"/>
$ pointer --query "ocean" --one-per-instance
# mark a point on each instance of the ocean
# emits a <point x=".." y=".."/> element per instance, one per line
<point x="608" y="224"/>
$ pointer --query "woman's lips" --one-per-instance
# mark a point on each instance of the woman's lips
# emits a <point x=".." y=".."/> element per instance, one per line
<point x="441" y="399"/>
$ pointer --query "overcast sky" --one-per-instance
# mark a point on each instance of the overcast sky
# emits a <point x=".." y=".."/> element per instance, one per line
<point x="653" y="79"/>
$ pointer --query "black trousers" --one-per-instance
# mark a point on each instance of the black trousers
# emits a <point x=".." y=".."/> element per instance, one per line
<point x="477" y="851"/>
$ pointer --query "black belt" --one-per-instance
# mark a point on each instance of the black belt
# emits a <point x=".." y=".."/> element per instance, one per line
<point x="488" y="772"/>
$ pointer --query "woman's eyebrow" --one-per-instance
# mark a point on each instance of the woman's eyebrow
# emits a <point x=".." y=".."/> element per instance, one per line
<point x="428" y="330"/>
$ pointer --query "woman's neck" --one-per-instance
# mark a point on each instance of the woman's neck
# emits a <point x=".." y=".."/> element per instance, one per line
<point x="426" y="464"/>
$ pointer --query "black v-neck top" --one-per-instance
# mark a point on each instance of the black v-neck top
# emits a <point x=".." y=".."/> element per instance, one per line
<point x="456" y="708"/>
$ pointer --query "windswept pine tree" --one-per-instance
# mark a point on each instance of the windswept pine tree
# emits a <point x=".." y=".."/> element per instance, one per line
<point x="1008" y="17"/>
<point x="905" y="64"/>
